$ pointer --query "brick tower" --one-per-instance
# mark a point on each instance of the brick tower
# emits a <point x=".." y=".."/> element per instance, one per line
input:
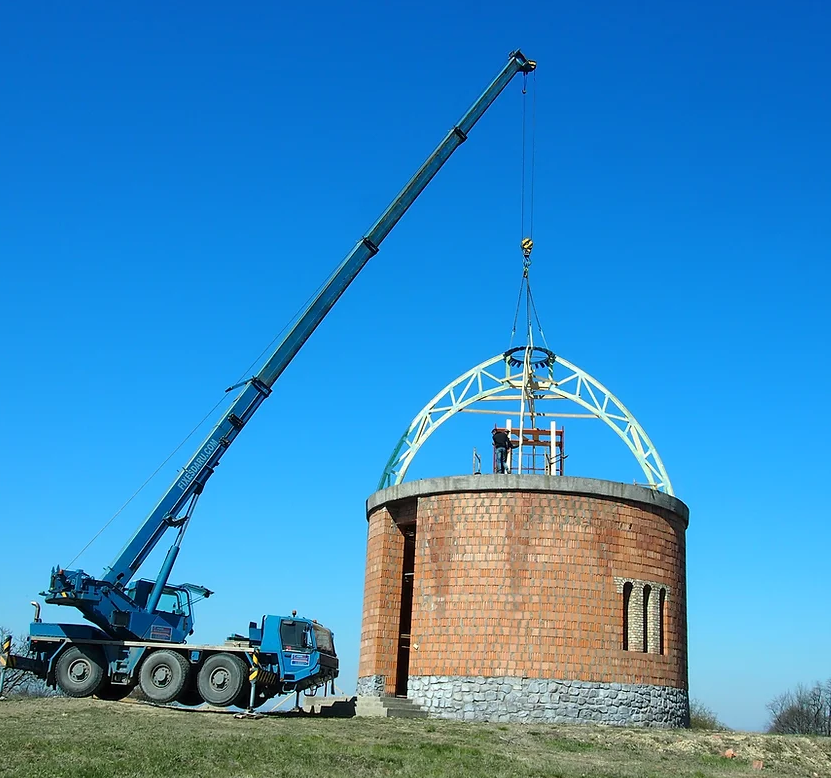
<point x="527" y="598"/>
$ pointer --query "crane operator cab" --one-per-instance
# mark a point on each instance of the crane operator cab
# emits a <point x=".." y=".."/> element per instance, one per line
<point x="175" y="604"/>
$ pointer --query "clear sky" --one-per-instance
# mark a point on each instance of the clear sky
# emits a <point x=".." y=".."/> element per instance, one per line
<point x="175" y="182"/>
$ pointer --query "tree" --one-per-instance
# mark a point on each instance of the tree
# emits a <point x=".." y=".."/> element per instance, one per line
<point x="19" y="683"/>
<point x="804" y="711"/>
<point x="702" y="717"/>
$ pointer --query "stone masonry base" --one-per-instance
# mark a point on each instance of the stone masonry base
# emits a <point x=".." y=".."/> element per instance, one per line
<point x="554" y="702"/>
<point x="372" y="686"/>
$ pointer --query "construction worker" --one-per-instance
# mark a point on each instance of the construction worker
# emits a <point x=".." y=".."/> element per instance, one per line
<point x="502" y="443"/>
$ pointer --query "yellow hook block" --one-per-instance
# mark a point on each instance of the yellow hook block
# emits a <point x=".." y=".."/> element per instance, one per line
<point x="526" y="245"/>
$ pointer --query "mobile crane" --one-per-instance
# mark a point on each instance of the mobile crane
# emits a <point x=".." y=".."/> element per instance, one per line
<point x="139" y="628"/>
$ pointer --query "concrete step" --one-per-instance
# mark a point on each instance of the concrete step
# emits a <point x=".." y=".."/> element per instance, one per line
<point x="332" y="706"/>
<point x="392" y="707"/>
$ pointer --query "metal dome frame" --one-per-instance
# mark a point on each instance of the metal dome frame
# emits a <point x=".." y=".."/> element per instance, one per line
<point x="564" y="380"/>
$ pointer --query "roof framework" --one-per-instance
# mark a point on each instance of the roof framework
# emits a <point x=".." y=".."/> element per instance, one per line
<point x="530" y="375"/>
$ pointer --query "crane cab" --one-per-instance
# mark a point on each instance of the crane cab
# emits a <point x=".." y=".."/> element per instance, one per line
<point x="175" y="606"/>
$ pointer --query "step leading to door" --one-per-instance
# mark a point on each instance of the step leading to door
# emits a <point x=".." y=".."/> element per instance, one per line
<point x="393" y="707"/>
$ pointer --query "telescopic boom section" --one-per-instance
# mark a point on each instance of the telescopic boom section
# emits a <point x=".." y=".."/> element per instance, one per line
<point x="190" y="482"/>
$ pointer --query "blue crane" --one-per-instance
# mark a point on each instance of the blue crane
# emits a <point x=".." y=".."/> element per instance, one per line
<point x="149" y="614"/>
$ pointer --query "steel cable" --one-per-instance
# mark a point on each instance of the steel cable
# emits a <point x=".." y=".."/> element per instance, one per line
<point x="207" y="416"/>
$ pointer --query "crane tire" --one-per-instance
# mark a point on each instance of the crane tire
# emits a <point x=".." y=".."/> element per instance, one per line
<point x="81" y="671"/>
<point x="223" y="680"/>
<point x="163" y="675"/>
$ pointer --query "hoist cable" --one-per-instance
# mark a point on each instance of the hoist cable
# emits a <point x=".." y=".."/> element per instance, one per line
<point x="525" y="189"/>
<point x="522" y="172"/>
<point x="526" y="242"/>
<point x="533" y="148"/>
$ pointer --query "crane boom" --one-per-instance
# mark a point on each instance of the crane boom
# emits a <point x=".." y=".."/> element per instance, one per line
<point x="100" y="600"/>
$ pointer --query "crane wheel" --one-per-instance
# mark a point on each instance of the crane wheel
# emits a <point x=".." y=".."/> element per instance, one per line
<point x="223" y="680"/>
<point x="163" y="676"/>
<point x="81" y="671"/>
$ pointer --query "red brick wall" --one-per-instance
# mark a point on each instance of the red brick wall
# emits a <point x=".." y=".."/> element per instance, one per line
<point x="524" y="584"/>
<point x="382" y="593"/>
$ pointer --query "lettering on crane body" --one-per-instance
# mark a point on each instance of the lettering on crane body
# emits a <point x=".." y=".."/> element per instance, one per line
<point x="190" y="473"/>
<point x="161" y="633"/>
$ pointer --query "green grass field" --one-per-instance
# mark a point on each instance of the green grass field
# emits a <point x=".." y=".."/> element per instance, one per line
<point x="49" y="738"/>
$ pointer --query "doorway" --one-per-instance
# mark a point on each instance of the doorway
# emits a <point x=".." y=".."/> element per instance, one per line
<point x="405" y="621"/>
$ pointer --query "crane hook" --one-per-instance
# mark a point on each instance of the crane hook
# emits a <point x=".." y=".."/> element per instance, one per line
<point x="526" y="244"/>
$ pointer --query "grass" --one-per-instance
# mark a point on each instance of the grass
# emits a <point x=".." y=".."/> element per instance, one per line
<point x="52" y="738"/>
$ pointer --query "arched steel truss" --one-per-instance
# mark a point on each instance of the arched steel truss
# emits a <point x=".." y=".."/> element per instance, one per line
<point x="551" y="378"/>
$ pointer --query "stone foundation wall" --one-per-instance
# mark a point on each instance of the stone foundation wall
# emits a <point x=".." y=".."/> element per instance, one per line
<point x="372" y="686"/>
<point x="552" y="702"/>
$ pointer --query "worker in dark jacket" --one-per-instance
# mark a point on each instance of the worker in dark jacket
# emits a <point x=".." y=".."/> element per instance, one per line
<point x="501" y="442"/>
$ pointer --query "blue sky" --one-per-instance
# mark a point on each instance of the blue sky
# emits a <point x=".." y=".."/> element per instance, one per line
<point x="177" y="181"/>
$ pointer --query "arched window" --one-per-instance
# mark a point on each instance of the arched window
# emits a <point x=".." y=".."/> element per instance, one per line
<point x="662" y="601"/>
<point x="627" y="594"/>
<point x="644" y="617"/>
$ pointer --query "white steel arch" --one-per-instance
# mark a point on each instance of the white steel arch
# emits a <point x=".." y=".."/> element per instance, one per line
<point x="552" y="378"/>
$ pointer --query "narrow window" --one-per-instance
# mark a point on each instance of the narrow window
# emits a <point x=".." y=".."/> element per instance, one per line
<point x="647" y="590"/>
<point x="627" y="594"/>
<point x="662" y="601"/>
